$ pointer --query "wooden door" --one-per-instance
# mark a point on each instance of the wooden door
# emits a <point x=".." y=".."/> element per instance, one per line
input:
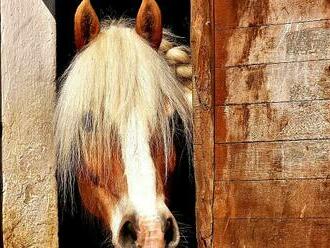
<point x="262" y="122"/>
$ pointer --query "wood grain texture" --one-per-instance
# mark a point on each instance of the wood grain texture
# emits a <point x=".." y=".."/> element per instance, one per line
<point x="272" y="122"/>
<point x="272" y="233"/>
<point x="202" y="43"/>
<point x="297" y="81"/>
<point x="273" y="160"/>
<point x="265" y="12"/>
<point x="273" y="44"/>
<point x="307" y="198"/>
<point x="28" y="64"/>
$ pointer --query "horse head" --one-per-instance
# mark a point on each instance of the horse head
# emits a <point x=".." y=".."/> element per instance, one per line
<point x="115" y="121"/>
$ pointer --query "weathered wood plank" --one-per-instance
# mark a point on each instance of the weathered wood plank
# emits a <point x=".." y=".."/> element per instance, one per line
<point x="273" y="83"/>
<point x="272" y="122"/>
<point x="273" y="44"/>
<point x="28" y="64"/>
<point x="273" y="199"/>
<point x="272" y="160"/>
<point x="202" y="42"/>
<point x="245" y="13"/>
<point x="272" y="233"/>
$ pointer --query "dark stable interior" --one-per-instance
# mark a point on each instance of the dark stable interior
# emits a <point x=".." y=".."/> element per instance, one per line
<point x="78" y="229"/>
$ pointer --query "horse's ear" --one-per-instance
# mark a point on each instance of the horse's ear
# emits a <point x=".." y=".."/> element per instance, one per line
<point x="86" y="24"/>
<point x="149" y="23"/>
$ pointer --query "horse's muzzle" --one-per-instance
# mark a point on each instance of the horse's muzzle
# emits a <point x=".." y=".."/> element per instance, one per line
<point x="142" y="232"/>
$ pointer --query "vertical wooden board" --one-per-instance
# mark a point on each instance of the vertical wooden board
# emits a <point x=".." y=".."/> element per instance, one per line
<point x="28" y="50"/>
<point x="273" y="44"/>
<point x="265" y="12"/>
<point x="301" y="198"/>
<point x="272" y="233"/>
<point x="273" y="122"/>
<point x="202" y="44"/>
<point x="273" y="160"/>
<point x="204" y="194"/>
<point x="298" y="81"/>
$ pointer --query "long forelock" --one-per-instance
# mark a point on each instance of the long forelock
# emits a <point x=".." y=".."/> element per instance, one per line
<point x="118" y="73"/>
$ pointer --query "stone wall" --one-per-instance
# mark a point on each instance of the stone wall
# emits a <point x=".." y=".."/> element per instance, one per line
<point x="28" y="60"/>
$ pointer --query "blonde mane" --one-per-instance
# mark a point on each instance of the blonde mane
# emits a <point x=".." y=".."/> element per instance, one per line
<point x="116" y="74"/>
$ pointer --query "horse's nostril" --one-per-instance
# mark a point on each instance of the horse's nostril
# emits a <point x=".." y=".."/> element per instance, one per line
<point x="171" y="233"/>
<point x="157" y="233"/>
<point x="168" y="224"/>
<point x="128" y="235"/>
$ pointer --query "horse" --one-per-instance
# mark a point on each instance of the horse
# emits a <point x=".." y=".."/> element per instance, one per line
<point x="115" y="120"/>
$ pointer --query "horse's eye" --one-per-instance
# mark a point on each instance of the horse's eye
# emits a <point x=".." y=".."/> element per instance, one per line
<point x="94" y="179"/>
<point x="89" y="175"/>
<point x="87" y="121"/>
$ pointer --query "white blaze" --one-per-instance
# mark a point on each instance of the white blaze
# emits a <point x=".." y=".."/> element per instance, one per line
<point x="139" y="167"/>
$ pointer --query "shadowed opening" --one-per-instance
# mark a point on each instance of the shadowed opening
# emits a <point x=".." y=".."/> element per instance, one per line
<point x="80" y="229"/>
